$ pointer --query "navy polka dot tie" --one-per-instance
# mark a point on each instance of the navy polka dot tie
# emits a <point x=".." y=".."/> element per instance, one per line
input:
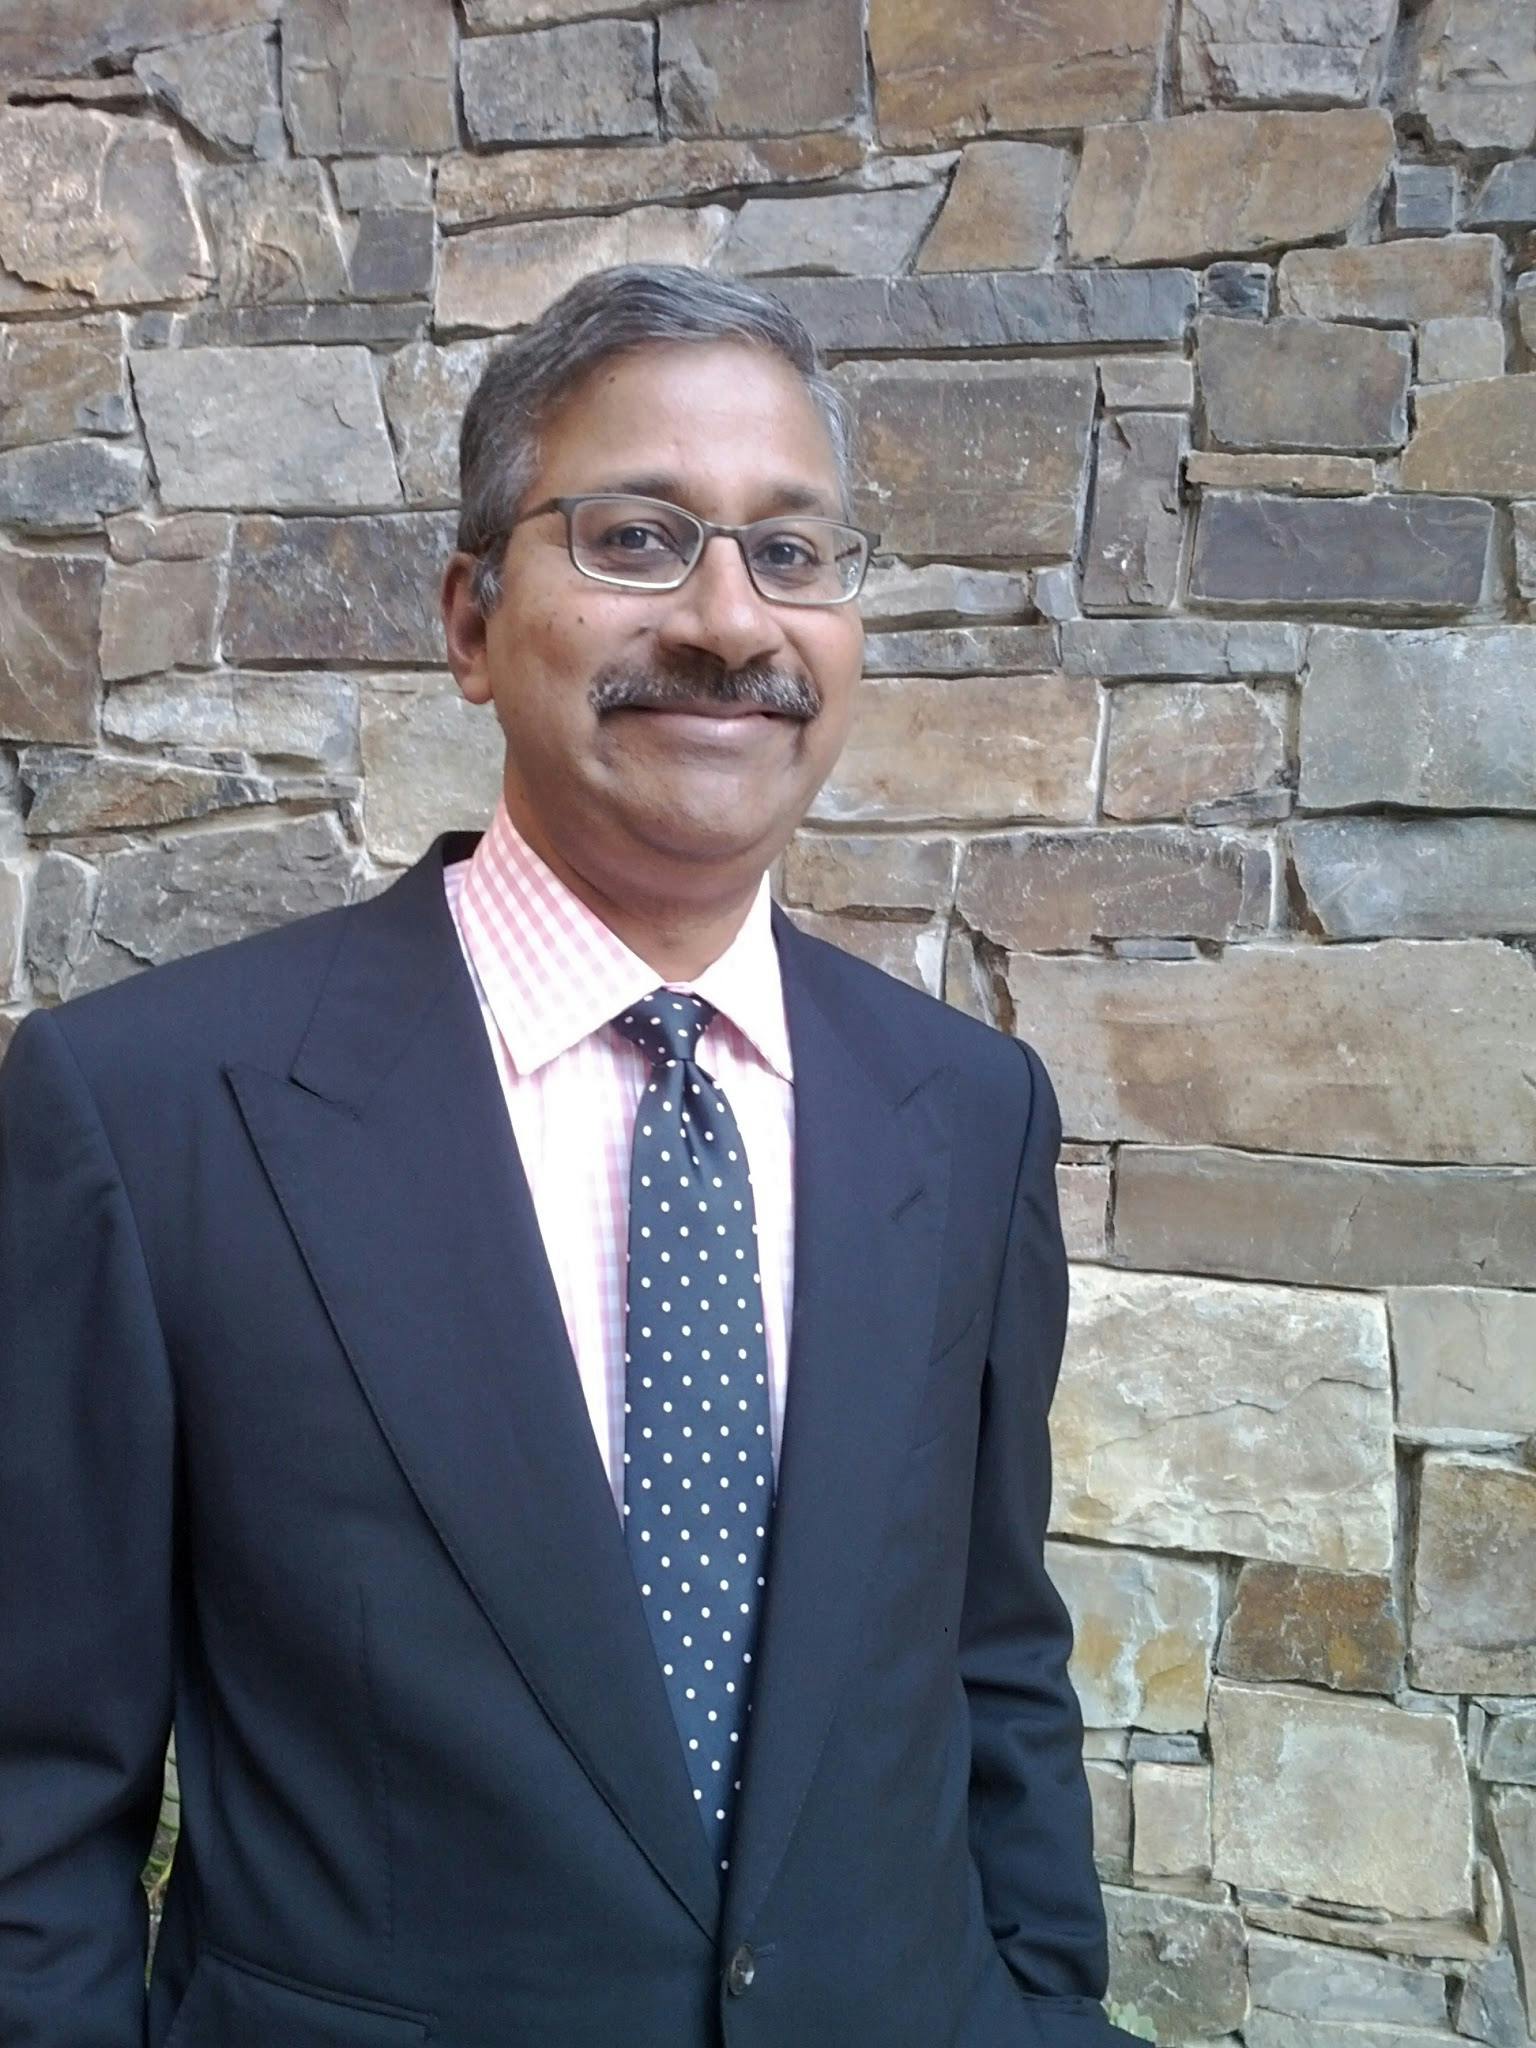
<point x="698" y="1456"/>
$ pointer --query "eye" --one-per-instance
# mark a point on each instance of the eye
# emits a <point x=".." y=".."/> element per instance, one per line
<point x="634" y="538"/>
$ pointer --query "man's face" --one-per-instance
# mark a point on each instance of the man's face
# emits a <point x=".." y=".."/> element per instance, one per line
<point x="708" y="791"/>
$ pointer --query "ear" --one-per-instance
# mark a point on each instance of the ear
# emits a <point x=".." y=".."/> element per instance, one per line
<point x="464" y="630"/>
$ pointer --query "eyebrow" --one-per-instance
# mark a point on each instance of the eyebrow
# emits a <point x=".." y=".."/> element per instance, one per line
<point x="783" y="496"/>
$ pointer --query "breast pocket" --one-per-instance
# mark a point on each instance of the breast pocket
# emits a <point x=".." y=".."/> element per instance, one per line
<point x="233" y="2004"/>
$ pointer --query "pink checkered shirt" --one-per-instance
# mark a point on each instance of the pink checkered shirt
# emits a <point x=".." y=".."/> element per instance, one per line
<point x="550" y="974"/>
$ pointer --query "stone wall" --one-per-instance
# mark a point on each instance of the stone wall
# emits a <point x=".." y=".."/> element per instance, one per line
<point x="1192" y="351"/>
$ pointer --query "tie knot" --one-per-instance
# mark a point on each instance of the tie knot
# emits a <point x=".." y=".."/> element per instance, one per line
<point x="665" y="1025"/>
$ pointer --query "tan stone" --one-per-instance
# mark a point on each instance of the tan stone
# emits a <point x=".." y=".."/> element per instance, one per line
<point x="1466" y="1358"/>
<point x="178" y="537"/>
<point x="869" y="871"/>
<point x="732" y="67"/>
<point x="968" y="749"/>
<point x="223" y="85"/>
<point x="1173" y="1820"/>
<point x="1109" y="1788"/>
<point x="985" y="65"/>
<point x="1310" y="1793"/>
<point x="275" y="234"/>
<point x="1392" y="1050"/>
<point x="71" y="38"/>
<point x="1051" y="891"/>
<point x="360" y="76"/>
<point x="1202" y="1415"/>
<point x="905" y="594"/>
<point x="974" y="458"/>
<point x="50" y="680"/>
<point x="1437" y="277"/>
<point x="1315" y="475"/>
<point x="496" y="278"/>
<point x="1339" y="1629"/>
<point x="1147" y="383"/>
<point x="1460" y="351"/>
<point x="1204" y="185"/>
<point x="1002" y="209"/>
<point x="1478" y="437"/>
<point x="1144" y="1630"/>
<point x="96" y="204"/>
<point x="1475" y="78"/>
<point x="1136" y="528"/>
<point x="970" y="984"/>
<point x="1473" y="1626"/>
<point x="522" y="183"/>
<point x="1236" y="52"/>
<point x="1083" y="1193"/>
<point x="159" y="615"/>
<point x="425" y="390"/>
<point x="1174" y="745"/>
<point x="431" y="763"/>
<point x="911" y="952"/>
<point x="1290" y="383"/>
<point x="58" y="380"/>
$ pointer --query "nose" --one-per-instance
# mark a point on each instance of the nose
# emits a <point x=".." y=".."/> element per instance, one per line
<point x="718" y="610"/>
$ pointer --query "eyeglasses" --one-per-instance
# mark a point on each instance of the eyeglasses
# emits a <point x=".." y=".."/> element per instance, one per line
<point x="647" y="544"/>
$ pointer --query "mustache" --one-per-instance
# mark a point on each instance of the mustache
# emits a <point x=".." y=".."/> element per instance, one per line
<point x="660" y="686"/>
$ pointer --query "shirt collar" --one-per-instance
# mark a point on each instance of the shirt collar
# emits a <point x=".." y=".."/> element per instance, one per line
<point x="553" y="972"/>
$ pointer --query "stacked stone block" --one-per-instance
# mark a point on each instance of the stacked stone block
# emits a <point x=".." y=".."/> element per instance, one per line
<point x="1190" y="346"/>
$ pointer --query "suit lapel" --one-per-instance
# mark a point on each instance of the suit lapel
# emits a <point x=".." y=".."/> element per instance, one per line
<point x="389" y="1150"/>
<point x="871" y="1189"/>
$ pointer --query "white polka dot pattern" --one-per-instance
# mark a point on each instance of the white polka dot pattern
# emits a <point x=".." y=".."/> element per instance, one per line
<point x="698" y="1461"/>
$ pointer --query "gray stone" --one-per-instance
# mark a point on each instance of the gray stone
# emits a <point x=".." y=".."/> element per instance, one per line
<point x="993" y="309"/>
<point x="1310" y="1791"/>
<point x="223" y="85"/>
<point x="962" y="650"/>
<point x="1525" y="549"/>
<point x="1514" y="1823"/>
<point x="1173" y="1820"/>
<point x="1424" y="199"/>
<point x="1304" y="1982"/>
<point x="1243" y="290"/>
<point x="159" y="615"/>
<point x="1430" y="720"/>
<point x="1339" y="1629"/>
<point x="1147" y="383"/>
<point x="912" y="594"/>
<point x="1473" y="73"/>
<point x="730" y="67"/>
<point x="74" y="38"/>
<point x="1489" y="2007"/>
<point x="68" y="486"/>
<point x="1192" y="648"/>
<point x="94" y="204"/>
<point x="1165" y="1749"/>
<point x="136" y="537"/>
<point x="12" y="919"/>
<point x="1275" y="2030"/>
<point x="1143" y="1634"/>
<point x="1002" y="211"/>
<point x="1178" y="1961"/>
<point x="866" y="234"/>
<point x="561" y="84"/>
<point x="1392" y="1049"/>
<point x="56" y="381"/>
<point x="1083" y="1192"/>
<point x="1466" y="1359"/>
<point x="976" y="749"/>
<point x="59" y="923"/>
<point x="73" y="792"/>
<point x="972" y="458"/>
<point x="382" y="183"/>
<point x="1366" y="878"/>
<point x="483" y="17"/>
<point x="393" y="253"/>
<point x="1342" y="476"/>
<point x="1054" y="891"/>
<point x="432" y="762"/>
<point x="337" y="590"/>
<point x="1202" y="1415"/>
<point x="1257" y="52"/>
<point x="498" y="278"/>
<point x="865" y="872"/>
<point x="1424" y="278"/>
<point x="426" y="389"/>
<point x="283" y="428"/>
<point x="218" y="326"/>
<point x="275" y="234"/>
<point x="1055" y="592"/>
<point x="1292" y="383"/>
<point x="188" y="891"/>
<point x="1324" y="1222"/>
<point x="1173" y="746"/>
<point x="1388" y="553"/>
<point x="50" y="612"/>
<point x="1135" y="532"/>
<point x="1459" y="351"/>
<point x="1507" y="198"/>
<point x="367" y="76"/>
<point x="1109" y="1790"/>
<point x="1474" y="1567"/>
<point x="913" y="953"/>
<point x="1509" y="1750"/>
<point x="301" y="717"/>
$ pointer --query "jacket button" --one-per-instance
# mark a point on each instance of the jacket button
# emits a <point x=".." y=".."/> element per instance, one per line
<point x="740" y="1971"/>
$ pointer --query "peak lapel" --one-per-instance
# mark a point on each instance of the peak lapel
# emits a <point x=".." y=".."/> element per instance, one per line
<point x="389" y="1150"/>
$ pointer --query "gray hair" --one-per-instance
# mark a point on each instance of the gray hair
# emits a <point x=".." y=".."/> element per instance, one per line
<point x="610" y="313"/>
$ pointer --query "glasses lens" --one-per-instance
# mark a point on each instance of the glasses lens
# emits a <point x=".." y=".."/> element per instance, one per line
<point x="633" y="540"/>
<point x="805" y="561"/>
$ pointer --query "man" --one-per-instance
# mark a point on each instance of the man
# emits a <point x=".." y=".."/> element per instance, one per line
<point x="598" y="1587"/>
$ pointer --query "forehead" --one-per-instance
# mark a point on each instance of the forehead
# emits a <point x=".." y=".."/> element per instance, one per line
<point x="725" y="412"/>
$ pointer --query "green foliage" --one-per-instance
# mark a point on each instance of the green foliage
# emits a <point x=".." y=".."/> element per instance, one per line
<point x="1134" y="2022"/>
<point x="158" y="1868"/>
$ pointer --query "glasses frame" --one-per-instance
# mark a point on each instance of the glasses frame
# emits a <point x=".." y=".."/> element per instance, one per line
<point x="709" y="529"/>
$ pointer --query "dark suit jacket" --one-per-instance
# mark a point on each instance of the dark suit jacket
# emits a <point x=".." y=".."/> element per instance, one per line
<point x="292" y="1444"/>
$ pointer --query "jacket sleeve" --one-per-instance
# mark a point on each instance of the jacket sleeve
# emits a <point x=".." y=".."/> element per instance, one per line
<point x="1030" y="1818"/>
<point x="86" y="1482"/>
